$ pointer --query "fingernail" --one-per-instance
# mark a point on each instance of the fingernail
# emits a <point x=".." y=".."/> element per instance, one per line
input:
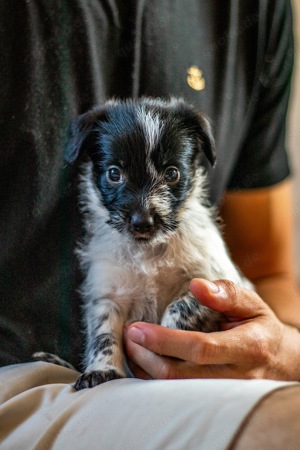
<point x="213" y="287"/>
<point x="135" y="334"/>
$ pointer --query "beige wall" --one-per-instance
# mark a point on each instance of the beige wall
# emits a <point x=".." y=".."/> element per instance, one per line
<point x="294" y="135"/>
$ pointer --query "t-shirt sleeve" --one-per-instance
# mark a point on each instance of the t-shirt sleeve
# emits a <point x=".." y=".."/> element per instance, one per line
<point x="263" y="159"/>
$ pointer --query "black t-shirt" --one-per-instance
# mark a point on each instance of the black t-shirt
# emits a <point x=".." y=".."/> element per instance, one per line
<point x="231" y="59"/>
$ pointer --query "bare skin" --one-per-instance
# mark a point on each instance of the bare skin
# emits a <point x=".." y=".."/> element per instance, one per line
<point x="258" y="226"/>
<point x="274" y="423"/>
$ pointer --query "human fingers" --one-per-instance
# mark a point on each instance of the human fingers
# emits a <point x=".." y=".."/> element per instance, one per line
<point x="156" y="366"/>
<point x="146" y="364"/>
<point x="239" y="345"/>
<point x="137" y="371"/>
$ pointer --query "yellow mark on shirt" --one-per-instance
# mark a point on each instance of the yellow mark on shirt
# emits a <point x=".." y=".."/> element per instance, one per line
<point x="195" y="78"/>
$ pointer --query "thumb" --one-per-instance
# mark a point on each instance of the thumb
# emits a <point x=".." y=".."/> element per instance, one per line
<point x="234" y="302"/>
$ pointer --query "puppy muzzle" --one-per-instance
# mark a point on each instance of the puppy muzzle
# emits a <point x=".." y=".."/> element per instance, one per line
<point x="143" y="224"/>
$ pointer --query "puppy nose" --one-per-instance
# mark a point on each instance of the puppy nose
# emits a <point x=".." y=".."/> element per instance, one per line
<point x="142" y="222"/>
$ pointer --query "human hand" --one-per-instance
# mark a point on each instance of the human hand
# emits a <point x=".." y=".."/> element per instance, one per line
<point x="252" y="343"/>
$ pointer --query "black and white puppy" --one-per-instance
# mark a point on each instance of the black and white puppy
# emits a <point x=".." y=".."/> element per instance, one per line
<point x="149" y="231"/>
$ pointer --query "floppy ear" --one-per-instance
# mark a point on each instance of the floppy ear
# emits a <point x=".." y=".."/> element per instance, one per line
<point x="207" y="142"/>
<point x="80" y="130"/>
<point x="200" y="125"/>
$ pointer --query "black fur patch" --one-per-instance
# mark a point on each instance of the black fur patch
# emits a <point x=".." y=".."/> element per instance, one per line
<point x="103" y="341"/>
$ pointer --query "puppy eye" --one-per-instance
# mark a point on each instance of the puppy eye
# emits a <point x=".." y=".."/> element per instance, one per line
<point x="114" y="175"/>
<point x="172" y="175"/>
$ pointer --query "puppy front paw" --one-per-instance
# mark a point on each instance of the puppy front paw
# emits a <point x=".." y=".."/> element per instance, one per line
<point x="95" y="377"/>
<point x="187" y="314"/>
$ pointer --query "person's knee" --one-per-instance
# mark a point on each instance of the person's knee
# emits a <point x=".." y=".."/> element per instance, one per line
<point x="273" y="424"/>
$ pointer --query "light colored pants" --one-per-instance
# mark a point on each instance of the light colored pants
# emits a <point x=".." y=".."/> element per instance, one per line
<point x="39" y="409"/>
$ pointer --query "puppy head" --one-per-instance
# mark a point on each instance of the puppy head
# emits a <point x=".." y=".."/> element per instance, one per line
<point x="145" y="155"/>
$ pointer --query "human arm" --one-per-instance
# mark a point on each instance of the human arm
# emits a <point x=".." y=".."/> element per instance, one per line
<point x="259" y="233"/>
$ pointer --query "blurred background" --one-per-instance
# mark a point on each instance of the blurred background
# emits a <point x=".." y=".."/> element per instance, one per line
<point x="293" y="134"/>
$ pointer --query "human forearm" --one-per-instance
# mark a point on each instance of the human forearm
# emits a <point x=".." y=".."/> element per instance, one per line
<point x="281" y="293"/>
<point x="259" y="233"/>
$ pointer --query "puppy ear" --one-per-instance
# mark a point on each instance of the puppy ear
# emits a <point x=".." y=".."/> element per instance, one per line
<point x="200" y="125"/>
<point x="80" y="130"/>
<point x="206" y="138"/>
